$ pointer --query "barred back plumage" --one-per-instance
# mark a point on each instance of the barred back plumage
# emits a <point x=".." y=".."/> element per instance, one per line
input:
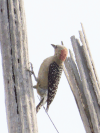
<point x="54" y="75"/>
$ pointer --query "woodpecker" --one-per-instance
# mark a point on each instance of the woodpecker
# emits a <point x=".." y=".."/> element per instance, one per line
<point x="49" y="76"/>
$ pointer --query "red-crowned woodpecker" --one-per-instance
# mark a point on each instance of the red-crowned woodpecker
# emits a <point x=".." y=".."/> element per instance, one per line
<point x="49" y="76"/>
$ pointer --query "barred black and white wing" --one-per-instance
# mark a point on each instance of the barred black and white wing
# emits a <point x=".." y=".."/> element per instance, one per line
<point x="54" y="76"/>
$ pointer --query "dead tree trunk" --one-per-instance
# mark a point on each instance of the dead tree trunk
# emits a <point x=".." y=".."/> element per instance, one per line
<point x="20" y="105"/>
<point x="84" y="83"/>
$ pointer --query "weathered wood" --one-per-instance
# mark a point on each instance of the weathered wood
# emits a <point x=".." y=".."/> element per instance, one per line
<point x="84" y="76"/>
<point x="84" y="84"/>
<point x="90" y="55"/>
<point x="20" y="104"/>
<point x="77" y="92"/>
<point x="90" y="67"/>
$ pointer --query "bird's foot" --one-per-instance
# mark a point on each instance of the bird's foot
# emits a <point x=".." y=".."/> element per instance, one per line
<point x="31" y="70"/>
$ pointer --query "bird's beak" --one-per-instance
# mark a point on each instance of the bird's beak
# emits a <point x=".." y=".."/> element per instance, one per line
<point x="54" y="46"/>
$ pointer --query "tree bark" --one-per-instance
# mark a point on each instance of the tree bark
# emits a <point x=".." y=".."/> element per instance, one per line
<point x="84" y="83"/>
<point x="19" y="97"/>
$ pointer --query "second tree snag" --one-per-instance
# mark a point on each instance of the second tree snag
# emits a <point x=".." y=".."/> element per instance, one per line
<point x="84" y="84"/>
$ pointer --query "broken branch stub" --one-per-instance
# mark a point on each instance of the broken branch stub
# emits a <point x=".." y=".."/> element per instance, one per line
<point x="84" y="84"/>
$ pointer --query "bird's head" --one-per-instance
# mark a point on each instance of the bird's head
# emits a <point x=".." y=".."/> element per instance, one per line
<point x="61" y="52"/>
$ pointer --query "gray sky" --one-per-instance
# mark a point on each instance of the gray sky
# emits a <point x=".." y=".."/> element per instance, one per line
<point x="52" y="22"/>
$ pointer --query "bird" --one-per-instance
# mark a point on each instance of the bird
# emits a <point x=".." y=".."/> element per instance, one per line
<point x="49" y="76"/>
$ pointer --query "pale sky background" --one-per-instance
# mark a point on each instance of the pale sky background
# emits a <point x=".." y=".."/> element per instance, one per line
<point x="52" y="22"/>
